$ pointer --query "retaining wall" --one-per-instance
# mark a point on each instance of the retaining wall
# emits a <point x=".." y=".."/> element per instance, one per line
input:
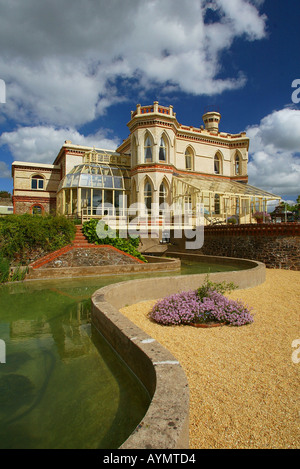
<point x="157" y="264"/>
<point x="166" y="423"/>
<point x="276" y="245"/>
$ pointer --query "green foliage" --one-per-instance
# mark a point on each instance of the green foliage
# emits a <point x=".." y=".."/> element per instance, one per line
<point x="18" y="274"/>
<point x="209" y="286"/>
<point x="4" y="269"/>
<point x="5" y="195"/>
<point x="21" y="234"/>
<point x="99" y="233"/>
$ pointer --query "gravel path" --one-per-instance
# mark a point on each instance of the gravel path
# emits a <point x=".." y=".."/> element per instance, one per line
<point x="244" y="381"/>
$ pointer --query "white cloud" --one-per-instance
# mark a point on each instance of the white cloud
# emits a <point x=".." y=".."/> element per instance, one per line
<point x="59" y="62"/>
<point x="243" y="18"/>
<point x="42" y="143"/>
<point x="4" y="170"/>
<point x="275" y="153"/>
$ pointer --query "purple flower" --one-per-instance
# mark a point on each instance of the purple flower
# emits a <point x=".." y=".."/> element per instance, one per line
<point x="187" y="307"/>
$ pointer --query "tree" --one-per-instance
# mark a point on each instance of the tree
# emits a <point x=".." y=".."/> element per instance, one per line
<point x="5" y="195"/>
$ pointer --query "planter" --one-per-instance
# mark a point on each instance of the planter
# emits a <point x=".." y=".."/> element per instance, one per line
<point x="207" y="324"/>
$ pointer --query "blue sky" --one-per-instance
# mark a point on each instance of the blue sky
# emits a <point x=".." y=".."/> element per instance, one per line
<point x="74" y="70"/>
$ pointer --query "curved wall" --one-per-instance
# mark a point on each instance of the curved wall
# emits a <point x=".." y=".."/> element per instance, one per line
<point x="166" y="422"/>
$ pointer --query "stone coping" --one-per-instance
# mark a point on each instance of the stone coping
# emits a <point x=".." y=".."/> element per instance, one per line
<point x="166" y="422"/>
<point x="157" y="264"/>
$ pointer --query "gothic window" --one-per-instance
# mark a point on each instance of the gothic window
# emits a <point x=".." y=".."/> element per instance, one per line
<point x="134" y="152"/>
<point x="148" y="196"/>
<point x="148" y="149"/>
<point x="217" y="164"/>
<point x="162" y="150"/>
<point x="188" y="160"/>
<point x="237" y="165"/>
<point x="162" y="194"/>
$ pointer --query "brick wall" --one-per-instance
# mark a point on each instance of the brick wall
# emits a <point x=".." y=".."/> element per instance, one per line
<point x="24" y="204"/>
<point x="277" y="245"/>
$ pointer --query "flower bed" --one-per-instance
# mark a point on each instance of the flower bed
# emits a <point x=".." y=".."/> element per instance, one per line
<point x="207" y="305"/>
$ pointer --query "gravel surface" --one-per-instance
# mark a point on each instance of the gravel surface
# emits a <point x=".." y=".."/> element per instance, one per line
<point x="244" y="381"/>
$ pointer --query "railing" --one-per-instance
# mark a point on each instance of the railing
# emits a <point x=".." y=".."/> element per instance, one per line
<point x="153" y="108"/>
<point x="121" y="218"/>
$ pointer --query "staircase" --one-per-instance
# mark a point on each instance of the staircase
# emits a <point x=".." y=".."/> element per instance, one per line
<point x="80" y="240"/>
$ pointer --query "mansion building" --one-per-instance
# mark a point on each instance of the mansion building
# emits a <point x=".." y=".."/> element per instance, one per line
<point x="161" y="163"/>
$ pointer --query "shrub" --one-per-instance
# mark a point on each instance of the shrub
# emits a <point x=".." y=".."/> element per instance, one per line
<point x="262" y="215"/>
<point x="208" y="286"/>
<point x="4" y="269"/>
<point x="21" y="234"/>
<point x="207" y="304"/>
<point x="92" y="229"/>
<point x="181" y="308"/>
<point x="217" y="308"/>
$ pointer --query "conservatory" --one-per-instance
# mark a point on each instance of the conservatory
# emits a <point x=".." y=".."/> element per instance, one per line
<point x="93" y="189"/>
<point x="221" y="199"/>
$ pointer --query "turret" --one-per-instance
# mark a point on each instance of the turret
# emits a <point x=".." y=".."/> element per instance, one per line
<point x="211" y="120"/>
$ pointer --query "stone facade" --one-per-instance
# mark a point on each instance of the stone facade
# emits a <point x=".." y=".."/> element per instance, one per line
<point x="278" y="246"/>
<point x="91" y="257"/>
<point x="162" y="162"/>
<point x="30" y="199"/>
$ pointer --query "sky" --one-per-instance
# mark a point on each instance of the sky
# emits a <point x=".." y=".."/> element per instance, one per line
<point x="74" y="69"/>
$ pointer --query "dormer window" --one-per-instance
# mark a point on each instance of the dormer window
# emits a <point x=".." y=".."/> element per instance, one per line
<point x="37" y="183"/>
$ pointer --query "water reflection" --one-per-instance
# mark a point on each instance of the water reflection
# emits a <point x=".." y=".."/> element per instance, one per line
<point x="62" y="385"/>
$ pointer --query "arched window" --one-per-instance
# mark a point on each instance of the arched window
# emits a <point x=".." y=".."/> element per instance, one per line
<point x="188" y="160"/>
<point x="217" y="164"/>
<point x="237" y="165"/>
<point x="148" y="149"/>
<point x="37" y="182"/>
<point x="162" y="194"/>
<point x="134" y="152"/>
<point x="148" y="196"/>
<point x="162" y="150"/>
<point x="37" y="210"/>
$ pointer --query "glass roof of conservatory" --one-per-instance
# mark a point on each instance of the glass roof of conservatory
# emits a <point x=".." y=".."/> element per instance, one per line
<point x="99" y="176"/>
<point x="224" y="187"/>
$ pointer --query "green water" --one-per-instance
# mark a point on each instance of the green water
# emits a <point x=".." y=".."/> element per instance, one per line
<point x="62" y="386"/>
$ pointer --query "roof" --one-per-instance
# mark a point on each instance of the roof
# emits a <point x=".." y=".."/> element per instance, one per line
<point x="35" y="165"/>
<point x="224" y="186"/>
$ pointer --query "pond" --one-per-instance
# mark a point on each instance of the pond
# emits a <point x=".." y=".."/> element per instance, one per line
<point x="62" y="385"/>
